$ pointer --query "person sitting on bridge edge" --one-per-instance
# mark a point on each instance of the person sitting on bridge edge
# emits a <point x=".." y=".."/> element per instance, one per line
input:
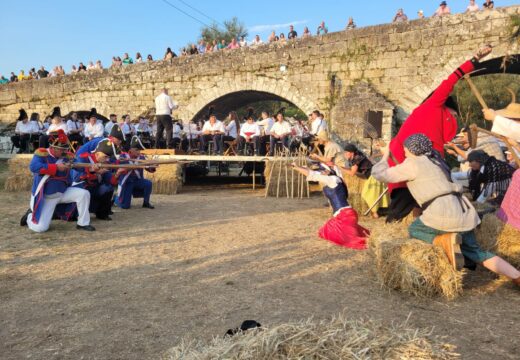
<point x="132" y="182"/>
<point x="343" y="228"/>
<point x="115" y="137"/>
<point x="448" y="217"/>
<point x="52" y="195"/>
<point x="213" y="130"/>
<point x="436" y="118"/>
<point x="99" y="181"/>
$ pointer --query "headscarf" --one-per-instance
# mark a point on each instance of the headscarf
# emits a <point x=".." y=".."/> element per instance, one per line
<point x="496" y="173"/>
<point x="419" y="144"/>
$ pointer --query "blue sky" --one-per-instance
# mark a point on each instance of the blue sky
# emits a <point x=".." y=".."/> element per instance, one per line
<point x="65" y="32"/>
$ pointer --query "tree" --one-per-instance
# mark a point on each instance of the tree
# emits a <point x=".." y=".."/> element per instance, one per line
<point x="233" y="29"/>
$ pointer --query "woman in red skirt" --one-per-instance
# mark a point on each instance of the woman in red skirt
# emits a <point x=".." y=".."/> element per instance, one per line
<point x="343" y="228"/>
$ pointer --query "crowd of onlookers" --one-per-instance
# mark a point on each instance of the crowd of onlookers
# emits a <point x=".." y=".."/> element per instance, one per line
<point x="203" y="47"/>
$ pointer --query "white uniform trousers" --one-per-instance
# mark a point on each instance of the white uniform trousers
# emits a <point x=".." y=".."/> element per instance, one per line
<point x="80" y="196"/>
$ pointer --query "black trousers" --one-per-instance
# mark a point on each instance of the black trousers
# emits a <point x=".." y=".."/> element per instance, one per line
<point x="255" y="140"/>
<point x="164" y="123"/>
<point x="21" y="142"/>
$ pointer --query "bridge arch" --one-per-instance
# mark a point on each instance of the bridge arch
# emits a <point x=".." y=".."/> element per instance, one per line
<point x="230" y="95"/>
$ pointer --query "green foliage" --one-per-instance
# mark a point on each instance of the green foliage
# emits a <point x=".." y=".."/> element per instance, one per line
<point x="233" y="28"/>
<point x="272" y="107"/>
<point x="494" y="91"/>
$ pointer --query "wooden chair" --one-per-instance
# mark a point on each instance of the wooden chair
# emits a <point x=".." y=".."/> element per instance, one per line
<point x="231" y="148"/>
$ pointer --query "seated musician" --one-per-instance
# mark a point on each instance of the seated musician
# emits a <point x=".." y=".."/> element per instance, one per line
<point x="265" y="125"/>
<point x="232" y="127"/>
<point x="52" y="195"/>
<point x="75" y="128"/>
<point x="317" y="125"/>
<point x="249" y="134"/>
<point x="192" y="133"/>
<point x="279" y="132"/>
<point x="213" y="130"/>
<point x="128" y="130"/>
<point x="93" y="129"/>
<point x="132" y="182"/>
<point x="176" y="134"/>
<point x="99" y="181"/>
<point x="144" y="132"/>
<point x="299" y="134"/>
<point x="22" y="133"/>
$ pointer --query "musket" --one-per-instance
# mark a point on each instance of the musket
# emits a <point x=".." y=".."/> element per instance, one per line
<point x="107" y="166"/>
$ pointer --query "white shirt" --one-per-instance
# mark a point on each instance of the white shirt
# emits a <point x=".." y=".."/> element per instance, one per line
<point x="506" y="127"/>
<point x="249" y="128"/>
<point x="300" y="130"/>
<point x="330" y="181"/>
<point x="60" y="126"/>
<point x="164" y="105"/>
<point x="176" y="131"/>
<point x="281" y="128"/>
<point x="143" y="128"/>
<point x="217" y="126"/>
<point x="74" y="125"/>
<point x="267" y="124"/>
<point x="24" y="128"/>
<point x="471" y="8"/>
<point x="242" y="43"/>
<point x="38" y="127"/>
<point x="108" y="127"/>
<point x="231" y="129"/>
<point x="256" y="42"/>
<point x="191" y="131"/>
<point x="127" y="128"/>
<point x="93" y="131"/>
<point x="318" y="125"/>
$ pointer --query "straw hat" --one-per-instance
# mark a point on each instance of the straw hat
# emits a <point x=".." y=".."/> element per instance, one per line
<point x="323" y="135"/>
<point x="512" y="111"/>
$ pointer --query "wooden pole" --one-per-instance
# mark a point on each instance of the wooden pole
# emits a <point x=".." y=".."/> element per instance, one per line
<point x="270" y="178"/>
<point x="292" y="184"/>
<point x="254" y="176"/>
<point x="475" y="92"/>
<point x="286" y="176"/>
<point x="279" y="177"/>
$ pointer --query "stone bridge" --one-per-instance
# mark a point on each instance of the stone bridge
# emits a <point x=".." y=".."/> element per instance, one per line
<point x="389" y="68"/>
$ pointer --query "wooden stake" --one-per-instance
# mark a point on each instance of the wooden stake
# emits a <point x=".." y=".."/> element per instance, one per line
<point x="279" y="177"/>
<point x="475" y="92"/>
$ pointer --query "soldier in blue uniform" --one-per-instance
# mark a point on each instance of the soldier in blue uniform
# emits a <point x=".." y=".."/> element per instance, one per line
<point x="100" y="182"/>
<point x="115" y="137"/>
<point x="132" y="182"/>
<point x="52" y="195"/>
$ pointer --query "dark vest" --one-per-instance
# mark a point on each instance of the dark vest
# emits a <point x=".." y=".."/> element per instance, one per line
<point x="337" y="197"/>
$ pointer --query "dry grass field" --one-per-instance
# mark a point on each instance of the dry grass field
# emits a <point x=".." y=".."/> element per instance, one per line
<point x="202" y="262"/>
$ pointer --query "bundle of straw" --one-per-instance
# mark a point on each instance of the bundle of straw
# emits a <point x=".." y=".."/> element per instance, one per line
<point x="412" y="266"/>
<point x="503" y="239"/>
<point x="338" y="338"/>
<point x="355" y="188"/>
<point x="20" y="177"/>
<point x="167" y="179"/>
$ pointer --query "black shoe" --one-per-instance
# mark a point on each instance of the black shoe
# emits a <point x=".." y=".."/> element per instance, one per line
<point x="104" y="218"/>
<point x="23" y="220"/>
<point x="148" y="206"/>
<point x="86" y="227"/>
<point x="110" y="212"/>
<point x="469" y="264"/>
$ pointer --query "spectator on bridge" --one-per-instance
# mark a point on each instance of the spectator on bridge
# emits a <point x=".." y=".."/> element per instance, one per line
<point x="33" y="74"/>
<point x="169" y="54"/>
<point x="213" y="130"/>
<point x="351" y="25"/>
<point x="149" y="58"/>
<point x="21" y="76"/>
<point x="138" y="58"/>
<point x="98" y="65"/>
<point x="322" y="29"/>
<point x="4" y="80"/>
<point x="184" y="52"/>
<point x="282" y="38"/>
<point x="488" y="5"/>
<point x="202" y="47"/>
<point x="306" y="33"/>
<point x="81" y="67"/>
<point x="61" y="71"/>
<point x="272" y="37"/>
<point x="233" y="44"/>
<point x="442" y="10"/>
<point x="164" y="105"/>
<point x="472" y="6"/>
<point x="73" y="70"/>
<point x="243" y="41"/>
<point x="400" y="16"/>
<point x="420" y="14"/>
<point x="257" y="41"/>
<point x="222" y="44"/>
<point x="193" y="50"/>
<point x="91" y="66"/>
<point x="114" y="62"/>
<point x="127" y="60"/>
<point x="42" y="73"/>
<point x="13" y="77"/>
<point x="292" y="33"/>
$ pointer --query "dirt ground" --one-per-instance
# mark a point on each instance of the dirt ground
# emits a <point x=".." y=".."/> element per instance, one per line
<point x="203" y="262"/>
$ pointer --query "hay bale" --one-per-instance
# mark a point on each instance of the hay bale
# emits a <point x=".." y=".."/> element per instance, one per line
<point x="20" y="177"/>
<point x="338" y="338"/>
<point x="167" y="179"/>
<point x="412" y="266"/>
<point x="501" y="238"/>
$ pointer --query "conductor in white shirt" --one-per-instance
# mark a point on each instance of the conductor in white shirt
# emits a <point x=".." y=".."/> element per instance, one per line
<point x="164" y="105"/>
